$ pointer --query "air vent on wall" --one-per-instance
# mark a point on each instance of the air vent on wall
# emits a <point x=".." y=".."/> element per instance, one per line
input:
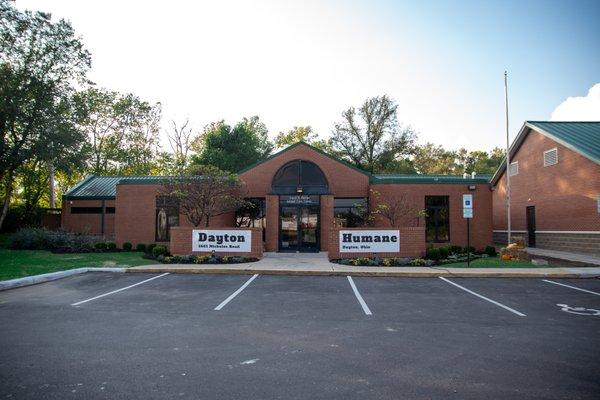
<point x="514" y="168"/>
<point x="550" y="157"/>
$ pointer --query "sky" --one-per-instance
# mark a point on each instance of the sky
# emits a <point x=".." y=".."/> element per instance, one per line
<point x="296" y="63"/>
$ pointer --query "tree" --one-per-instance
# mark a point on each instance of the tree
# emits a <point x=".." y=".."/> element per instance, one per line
<point x="295" y="135"/>
<point x="371" y="136"/>
<point x="398" y="210"/>
<point x="123" y="131"/>
<point x="40" y="62"/>
<point x="233" y="149"/>
<point x="180" y="136"/>
<point x="206" y="193"/>
<point x="432" y="159"/>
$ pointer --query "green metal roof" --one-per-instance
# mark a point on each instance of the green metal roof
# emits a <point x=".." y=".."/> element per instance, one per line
<point x="582" y="137"/>
<point x="428" y="179"/>
<point x="105" y="187"/>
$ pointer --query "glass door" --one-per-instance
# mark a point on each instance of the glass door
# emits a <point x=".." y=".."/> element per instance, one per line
<point x="299" y="228"/>
<point x="288" y="234"/>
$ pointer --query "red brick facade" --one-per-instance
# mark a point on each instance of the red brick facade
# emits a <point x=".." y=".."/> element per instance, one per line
<point x="134" y="220"/>
<point x="565" y="195"/>
<point x="181" y="242"/>
<point x="88" y="223"/>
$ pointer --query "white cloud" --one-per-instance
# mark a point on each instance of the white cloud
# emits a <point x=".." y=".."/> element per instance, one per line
<point x="579" y="108"/>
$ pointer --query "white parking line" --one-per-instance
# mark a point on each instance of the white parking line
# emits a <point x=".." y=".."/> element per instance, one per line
<point x="227" y="300"/>
<point x="572" y="287"/>
<point x="520" y="314"/>
<point x="364" y="305"/>
<point x="120" y="290"/>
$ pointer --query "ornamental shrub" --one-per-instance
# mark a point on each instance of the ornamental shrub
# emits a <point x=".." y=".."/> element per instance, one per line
<point x="140" y="247"/>
<point x="100" y="246"/>
<point x="455" y="249"/>
<point x="159" y="250"/>
<point x="127" y="246"/>
<point x="29" y="239"/>
<point x="416" y="262"/>
<point x="433" y="253"/>
<point x="111" y="246"/>
<point x="444" y="252"/>
<point x="470" y="249"/>
<point x="490" y="251"/>
<point x="150" y="248"/>
<point x="201" y="259"/>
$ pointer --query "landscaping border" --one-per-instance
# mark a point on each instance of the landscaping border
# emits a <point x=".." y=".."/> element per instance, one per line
<point x="52" y="276"/>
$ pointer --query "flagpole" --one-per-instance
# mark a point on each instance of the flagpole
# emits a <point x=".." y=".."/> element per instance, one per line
<point x="507" y="159"/>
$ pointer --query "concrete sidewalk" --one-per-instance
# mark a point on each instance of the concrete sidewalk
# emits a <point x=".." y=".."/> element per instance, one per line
<point x="318" y="264"/>
<point x="579" y="258"/>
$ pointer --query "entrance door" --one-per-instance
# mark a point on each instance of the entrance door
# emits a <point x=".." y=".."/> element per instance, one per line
<point x="299" y="228"/>
<point x="530" y="212"/>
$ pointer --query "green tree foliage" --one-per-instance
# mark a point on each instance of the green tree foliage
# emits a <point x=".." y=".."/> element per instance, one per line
<point x="122" y="131"/>
<point x="232" y="149"/>
<point x="432" y="159"/>
<point x="40" y="63"/>
<point x="371" y="137"/>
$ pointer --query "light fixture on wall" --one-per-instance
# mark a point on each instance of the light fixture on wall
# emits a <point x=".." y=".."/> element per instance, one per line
<point x="472" y="187"/>
<point x="299" y="189"/>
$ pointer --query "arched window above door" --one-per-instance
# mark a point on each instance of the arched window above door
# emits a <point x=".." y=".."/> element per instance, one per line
<point x="300" y="177"/>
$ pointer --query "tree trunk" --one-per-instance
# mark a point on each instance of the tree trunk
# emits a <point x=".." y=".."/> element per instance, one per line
<point x="8" y="194"/>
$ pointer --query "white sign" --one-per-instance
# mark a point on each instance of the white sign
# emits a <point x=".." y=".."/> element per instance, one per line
<point x="221" y="241"/>
<point x="383" y="241"/>
<point x="467" y="201"/>
<point x="467" y="213"/>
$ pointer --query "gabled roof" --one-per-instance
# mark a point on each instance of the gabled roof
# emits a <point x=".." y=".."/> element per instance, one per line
<point x="345" y="163"/>
<point x="580" y="136"/>
<point x="95" y="187"/>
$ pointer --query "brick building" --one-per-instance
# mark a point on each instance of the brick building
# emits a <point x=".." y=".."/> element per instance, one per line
<point x="555" y="187"/>
<point x="304" y="197"/>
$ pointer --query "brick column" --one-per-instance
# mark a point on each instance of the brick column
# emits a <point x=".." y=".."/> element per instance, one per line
<point x="272" y="229"/>
<point x="326" y="220"/>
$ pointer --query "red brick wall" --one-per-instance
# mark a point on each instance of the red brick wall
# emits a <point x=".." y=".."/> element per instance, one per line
<point x="564" y="195"/>
<point x="181" y="242"/>
<point x="343" y="181"/>
<point x="272" y="228"/>
<point x="412" y="243"/>
<point x="326" y="220"/>
<point x="481" y="223"/>
<point x="87" y="223"/>
<point x="136" y="214"/>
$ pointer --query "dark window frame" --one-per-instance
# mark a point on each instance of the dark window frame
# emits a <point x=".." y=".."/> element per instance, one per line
<point x="171" y="208"/>
<point x="299" y="186"/>
<point x="336" y="211"/>
<point x="436" y="219"/>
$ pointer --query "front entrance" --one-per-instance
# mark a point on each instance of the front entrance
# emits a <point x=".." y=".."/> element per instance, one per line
<point x="299" y="224"/>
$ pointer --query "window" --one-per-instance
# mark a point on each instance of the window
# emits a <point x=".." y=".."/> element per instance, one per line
<point x="514" y="168"/>
<point x="550" y="157"/>
<point x="91" y="210"/>
<point x="252" y="215"/>
<point x="167" y="215"/>
<point x="437" y="222"/>
<point x="300" y="176"/>
<point x="350" y="212"/>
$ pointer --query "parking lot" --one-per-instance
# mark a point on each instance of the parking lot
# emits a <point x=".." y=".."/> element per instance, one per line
<point x="141" y="336"/>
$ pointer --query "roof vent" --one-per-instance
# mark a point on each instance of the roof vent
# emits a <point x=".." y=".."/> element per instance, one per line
<point x="550" y="157"/>
<point x="473" y="175"/>
<point x="465" y="175"/>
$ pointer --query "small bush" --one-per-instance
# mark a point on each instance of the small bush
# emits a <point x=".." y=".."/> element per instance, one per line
<point x="469" y="249"/>
<point x="100" y="246"/>
<point x="490" y="251"/>
<point x="127" y="246"/>
<point x="111" y="246"/>
<point x="140" y="247"/>
<point x="29" y="239"/>
<point x="433" y="253"/>
<point x="201" y="259"/>
<point x="417" y="262"/>
<point x="150" y="248"/>
<point x="455" y="249"/>
<point x="159" y="250"/>
<point x="444" y="252"/>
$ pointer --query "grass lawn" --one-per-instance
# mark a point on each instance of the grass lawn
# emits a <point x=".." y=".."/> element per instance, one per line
<point x="21" y="263"/>
<point x="493" y="262"/>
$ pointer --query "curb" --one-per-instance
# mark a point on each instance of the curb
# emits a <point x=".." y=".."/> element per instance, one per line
<point x="52" y="276"/>
<point x="398" y="274"/>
